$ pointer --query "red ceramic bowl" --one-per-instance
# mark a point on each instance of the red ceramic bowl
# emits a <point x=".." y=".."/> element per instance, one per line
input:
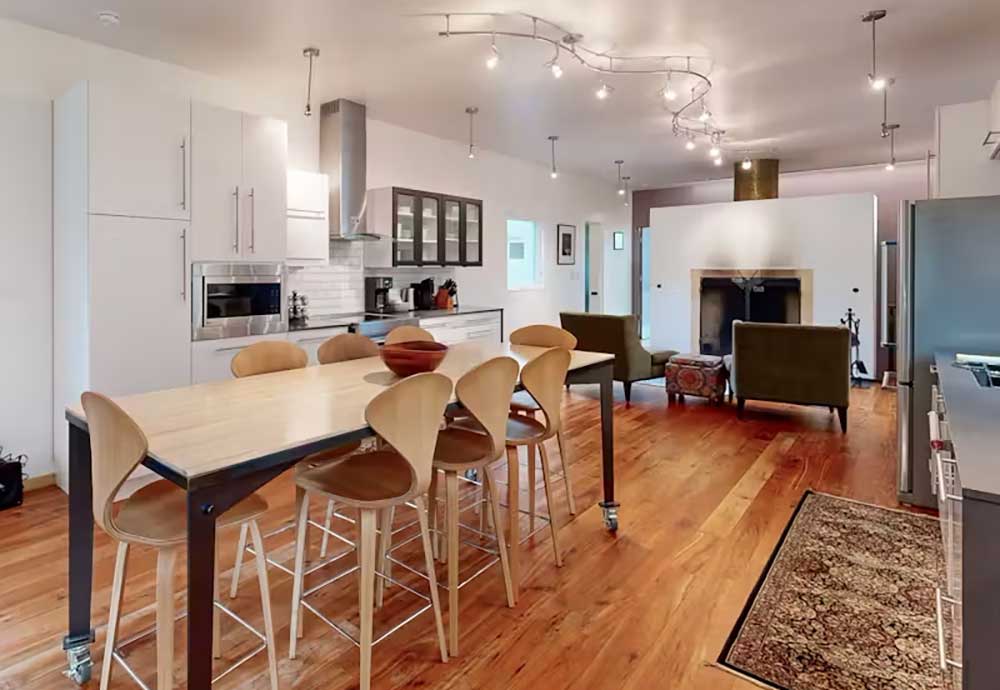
<point x="413" y="357"/>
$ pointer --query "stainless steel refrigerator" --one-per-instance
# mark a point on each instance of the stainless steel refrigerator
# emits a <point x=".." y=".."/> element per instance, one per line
<point x="948" y="297"/>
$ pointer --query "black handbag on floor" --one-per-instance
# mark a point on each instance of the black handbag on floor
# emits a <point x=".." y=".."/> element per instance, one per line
<point x="11" y="481"/>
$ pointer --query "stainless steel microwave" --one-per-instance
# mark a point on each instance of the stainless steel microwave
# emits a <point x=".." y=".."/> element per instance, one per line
<point x="237" y="299"/>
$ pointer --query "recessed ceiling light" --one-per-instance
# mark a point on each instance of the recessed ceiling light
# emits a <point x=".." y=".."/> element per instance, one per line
<point x="109" y="18"/>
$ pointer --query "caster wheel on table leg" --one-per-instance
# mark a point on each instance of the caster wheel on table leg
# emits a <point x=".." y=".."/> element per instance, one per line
<point x="80" y="666"/>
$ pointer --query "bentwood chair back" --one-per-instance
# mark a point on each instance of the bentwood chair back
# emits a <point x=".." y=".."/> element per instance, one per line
<point x="406" y="334"/>
<point x="345" y="347"/>
<point x="267" y="357"/>
<point x="543" y="335"/>
<point x="408" y="416"/>
<point x="485" y="392"/>
<point x="543" y="377"/>
<point x="117" y="445"/>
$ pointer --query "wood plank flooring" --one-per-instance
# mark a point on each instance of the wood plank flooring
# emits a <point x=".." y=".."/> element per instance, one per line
<point x="704" y="498"/>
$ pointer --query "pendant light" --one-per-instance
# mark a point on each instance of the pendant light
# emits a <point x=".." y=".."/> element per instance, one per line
<point x="626" y="180"/>
<point x="621" y="187"/>
<point x="603" y="91"/>
<point x="309" y="53"/>
<point x="494" y="57"/>
<point x="747" y="164"/>
<point x="668" y="90"/>
<point x="876" y="81"/>
<point x="552" y="140"/>
<point x="472" y="111"/>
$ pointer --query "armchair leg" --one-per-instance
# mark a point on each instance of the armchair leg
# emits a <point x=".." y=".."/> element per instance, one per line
<point x="628" y="391"/>
<point x="741" y="403"/>
<point x="842" y="413"/>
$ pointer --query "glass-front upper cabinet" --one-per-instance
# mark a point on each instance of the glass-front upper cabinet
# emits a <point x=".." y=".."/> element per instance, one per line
<point x="404" y="233"/>
<point x="452" y="232"/>
<point x="435" y="229"/>
<point x="472" y="241"/>
<point x="430" y="230"/>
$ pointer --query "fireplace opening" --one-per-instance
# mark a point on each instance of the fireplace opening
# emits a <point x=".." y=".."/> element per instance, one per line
<point x="724" y="300"/>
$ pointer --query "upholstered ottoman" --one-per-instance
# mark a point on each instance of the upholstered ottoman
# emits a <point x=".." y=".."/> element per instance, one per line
<point x="701" y="375"/>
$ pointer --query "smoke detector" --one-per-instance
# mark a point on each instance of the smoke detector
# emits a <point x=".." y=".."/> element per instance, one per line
<point x="109" y="18"/>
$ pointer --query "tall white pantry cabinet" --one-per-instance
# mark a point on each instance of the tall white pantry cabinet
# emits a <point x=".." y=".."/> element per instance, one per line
<point x="128" y="203"/>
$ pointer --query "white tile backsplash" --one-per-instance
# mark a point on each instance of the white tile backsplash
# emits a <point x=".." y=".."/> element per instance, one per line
<point x="339" y="287"/>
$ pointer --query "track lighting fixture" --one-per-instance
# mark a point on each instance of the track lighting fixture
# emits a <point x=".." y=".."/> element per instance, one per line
<point x="876" y="81"/>
<point x="705" y="115"/>
<point x="310" y="54"/>
<point x="557" y="71"/>
<point x="690" y="145"/>
<point x="472" y="111"/>
<point x="715" y="151"/>
<point x="668" y="92"/>
<point x="603" y="91"/>
<point x="747" y="164"/>
<point x="552" y="140"/>
<point x="493" y="59"/>
<point x="621" y="187"/>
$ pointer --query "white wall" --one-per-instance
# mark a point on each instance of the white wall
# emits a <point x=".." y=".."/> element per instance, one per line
<point x="617" y="272"/>
<point x="832" y="235"/>
<point x="509" y="188"/>
<point x="964" y="167"/>
<point x="26" y="285"/>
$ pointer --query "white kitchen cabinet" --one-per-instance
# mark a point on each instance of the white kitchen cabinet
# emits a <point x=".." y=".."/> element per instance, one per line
<point x="140" y="308"/>
<point x="308" y="218"/>
<point x="311" y="340"/>
<point x="211" y="359"/>
<point x="139" y="151"/>
<point x="238" y="191"/>
<point x="461" y="327"/>
<point x="379" y="213"/>
<point x="265" y="168"/>
<point x="216" y="176"/>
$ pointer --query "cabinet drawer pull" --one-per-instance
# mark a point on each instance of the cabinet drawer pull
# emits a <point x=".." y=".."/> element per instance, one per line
<point x="253" y="223"/>
<point x="943" y="659"/>
<point x="318" y="339"/>
<point x="231" y="349"/>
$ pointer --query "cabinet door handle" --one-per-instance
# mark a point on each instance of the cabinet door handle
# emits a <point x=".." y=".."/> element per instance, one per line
<point x="184" y="261"/>
<point x="253" y="220"/>
<point x="184" y="183"/>
<point x="236" y="239"/>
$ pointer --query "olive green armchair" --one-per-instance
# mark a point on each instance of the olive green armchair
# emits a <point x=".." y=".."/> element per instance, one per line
<point x="619" y="336"/>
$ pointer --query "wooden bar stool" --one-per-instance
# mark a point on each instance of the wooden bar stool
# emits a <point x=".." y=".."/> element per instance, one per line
<point x="543" y="378"/>
<point x="543" y="335"/>
<point x="156" y="516"/>
<point x="485" y="394"/>
<point x="407" y="417"/>
<point x="267" y="357"/>
<point x="405" y="334"/>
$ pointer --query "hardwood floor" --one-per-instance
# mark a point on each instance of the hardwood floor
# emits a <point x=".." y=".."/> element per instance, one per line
<point x="704" y="498"/>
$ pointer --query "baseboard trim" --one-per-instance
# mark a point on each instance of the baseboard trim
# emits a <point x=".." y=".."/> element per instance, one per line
<point x="39" y="482"/>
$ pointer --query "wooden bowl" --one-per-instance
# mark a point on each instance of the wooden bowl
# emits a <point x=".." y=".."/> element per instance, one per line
<point x="413" y="357"/>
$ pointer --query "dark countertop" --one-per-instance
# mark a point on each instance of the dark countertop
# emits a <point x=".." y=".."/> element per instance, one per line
<point x="343" y="320"/>
<point x="973" y="413"/>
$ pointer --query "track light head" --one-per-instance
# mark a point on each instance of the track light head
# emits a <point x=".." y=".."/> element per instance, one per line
<point x="747" y="164"/>
<point x="603" y="91"/>
<point x="877" y="83"/>
<point x="553" y="174"/>
<point x="557" y="71"/>
<point x="717" y="161"/>
<point x="690" y="145"/>
<point x="715" y="151"/>
<point x="493" y="59"/>
<point x="890" y="166"/>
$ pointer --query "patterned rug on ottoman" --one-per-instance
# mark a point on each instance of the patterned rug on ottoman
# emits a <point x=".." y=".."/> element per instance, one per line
<point x="847" y="602"/>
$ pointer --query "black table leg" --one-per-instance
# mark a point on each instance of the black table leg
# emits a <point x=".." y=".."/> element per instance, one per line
<point x="608" y="505"/>
<point x="81" y="556"/>
<point x="201" y="591"/>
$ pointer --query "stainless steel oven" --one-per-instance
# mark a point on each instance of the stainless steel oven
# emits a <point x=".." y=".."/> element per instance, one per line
<point x="237" y="299"/>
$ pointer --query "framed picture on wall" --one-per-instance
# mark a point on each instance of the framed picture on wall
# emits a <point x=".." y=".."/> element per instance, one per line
<point x="565" y="245"/>
<point x="618" y="240"/>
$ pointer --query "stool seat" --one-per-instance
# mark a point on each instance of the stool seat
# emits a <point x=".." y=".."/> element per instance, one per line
<point x="523" y="402"/>
<point x="460" y="448"/>
<point x="375" y="479"/>
<point x="522" y="430"/>
<point x="158" y="513"/>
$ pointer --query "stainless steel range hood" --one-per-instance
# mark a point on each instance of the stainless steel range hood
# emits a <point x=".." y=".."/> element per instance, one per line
<point x="342" y="156"/>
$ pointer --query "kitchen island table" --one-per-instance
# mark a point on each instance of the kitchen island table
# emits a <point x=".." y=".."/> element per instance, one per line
<point x="222" y="441"/>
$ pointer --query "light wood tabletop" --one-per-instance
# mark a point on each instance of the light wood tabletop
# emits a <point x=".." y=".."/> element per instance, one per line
<point x="198" y="430"/>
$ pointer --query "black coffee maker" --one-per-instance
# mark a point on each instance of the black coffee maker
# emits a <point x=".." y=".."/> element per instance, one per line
<point x="377" y="294"/>
<point x="423" y="294"/>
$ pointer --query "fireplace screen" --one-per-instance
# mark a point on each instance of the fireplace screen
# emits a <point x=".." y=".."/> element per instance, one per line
<point x="724" y="300"/>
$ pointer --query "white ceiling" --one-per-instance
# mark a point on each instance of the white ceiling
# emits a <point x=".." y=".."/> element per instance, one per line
<point x="789" y="74"/>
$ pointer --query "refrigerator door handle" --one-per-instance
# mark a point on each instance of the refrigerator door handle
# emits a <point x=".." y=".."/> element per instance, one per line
<point x="904" y="294"/>
<point x="884" y="249"/>
<point x="904" y="415"/>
